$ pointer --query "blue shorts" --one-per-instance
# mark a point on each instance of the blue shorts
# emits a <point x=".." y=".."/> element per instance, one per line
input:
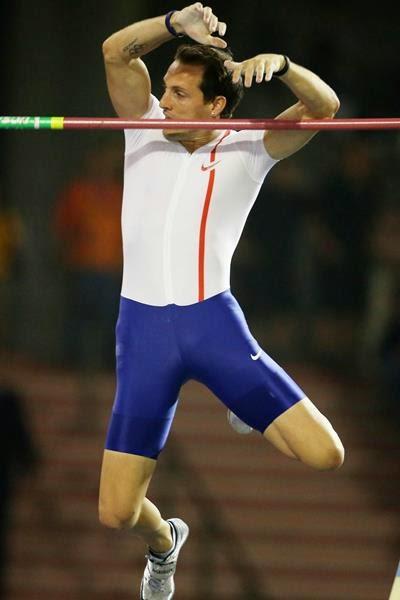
<point x="158" y="349"/>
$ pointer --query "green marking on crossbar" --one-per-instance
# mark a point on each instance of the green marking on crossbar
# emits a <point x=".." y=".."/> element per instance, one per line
<point x="31" y="122"/>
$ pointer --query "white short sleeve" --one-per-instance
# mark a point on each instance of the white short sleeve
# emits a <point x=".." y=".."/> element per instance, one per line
<point x="252" y="151"/>
<point x="134" y="136"/>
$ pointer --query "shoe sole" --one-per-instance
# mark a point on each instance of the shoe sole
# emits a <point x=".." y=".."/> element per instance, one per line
<point x="237" y="424"/>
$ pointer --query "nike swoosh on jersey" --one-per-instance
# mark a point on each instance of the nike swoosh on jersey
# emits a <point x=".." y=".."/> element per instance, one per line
<point x="210" y="166"/>
<point x="256" y="356"/>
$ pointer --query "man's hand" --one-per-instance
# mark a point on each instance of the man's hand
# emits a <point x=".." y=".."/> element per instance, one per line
<point x="199" y="23"/>
<point x="262" y="67"/>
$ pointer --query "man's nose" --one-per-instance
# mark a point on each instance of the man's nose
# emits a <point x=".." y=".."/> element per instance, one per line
<point x="165" y="103"/>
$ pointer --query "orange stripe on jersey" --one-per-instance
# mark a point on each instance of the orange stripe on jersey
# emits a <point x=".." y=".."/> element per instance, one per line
<point x="203" y="224"/>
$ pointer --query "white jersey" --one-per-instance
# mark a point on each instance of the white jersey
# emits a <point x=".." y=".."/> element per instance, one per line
<point x="183" y="214"/>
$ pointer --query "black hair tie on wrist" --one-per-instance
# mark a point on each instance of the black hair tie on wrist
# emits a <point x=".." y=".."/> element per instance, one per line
<point x="169" y="26"/>
<point x="284" y="69"/>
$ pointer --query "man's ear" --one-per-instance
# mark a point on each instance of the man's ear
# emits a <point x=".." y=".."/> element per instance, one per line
<point x="218" y="105"/>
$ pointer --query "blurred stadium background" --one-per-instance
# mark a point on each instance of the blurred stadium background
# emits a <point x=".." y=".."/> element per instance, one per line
<point x="317" y="272"/>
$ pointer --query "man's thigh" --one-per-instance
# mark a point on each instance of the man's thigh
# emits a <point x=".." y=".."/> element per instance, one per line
<point x="229" y="361"/>
<point x="149" y="376"/>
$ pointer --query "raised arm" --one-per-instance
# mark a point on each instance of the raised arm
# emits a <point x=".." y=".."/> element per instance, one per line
<point x="128" y="79"/>
<point x="316" y="100"/>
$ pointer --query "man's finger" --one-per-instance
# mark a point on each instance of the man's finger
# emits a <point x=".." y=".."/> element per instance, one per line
<point x="207" y="14"/>
<point x="217" y="42"/>
<point x="268" y="73"/>
<point x="213" y="25"/>
<point x="221" y="28"/>
<point x="248" y="76"/>
<point x="237" y="73"/>
<point x="260" y="72"/>
<point x="231" y="65"/>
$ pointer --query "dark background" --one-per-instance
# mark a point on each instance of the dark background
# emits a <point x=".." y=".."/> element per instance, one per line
<point x="318" y="267"/>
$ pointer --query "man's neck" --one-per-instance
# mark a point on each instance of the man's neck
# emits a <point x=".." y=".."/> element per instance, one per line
<point x="204" y="138"/>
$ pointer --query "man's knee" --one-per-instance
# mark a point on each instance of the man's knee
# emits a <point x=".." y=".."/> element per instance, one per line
<point x="309" y="436"/>
<point x="118" y="517"/>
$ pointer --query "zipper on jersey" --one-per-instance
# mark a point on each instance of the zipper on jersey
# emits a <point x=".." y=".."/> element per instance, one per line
<point x="175" y="196"/>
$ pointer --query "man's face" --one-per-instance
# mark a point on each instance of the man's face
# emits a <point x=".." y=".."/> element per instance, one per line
<point x="183" y="98"/>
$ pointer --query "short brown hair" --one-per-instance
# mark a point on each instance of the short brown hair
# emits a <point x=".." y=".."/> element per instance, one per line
<point x="217" y="80"/>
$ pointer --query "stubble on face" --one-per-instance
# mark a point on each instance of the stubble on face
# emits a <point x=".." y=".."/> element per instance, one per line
<point x="189" y="78"/>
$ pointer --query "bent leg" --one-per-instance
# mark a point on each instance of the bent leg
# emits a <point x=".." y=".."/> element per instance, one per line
<point x="303" y="432"/>
<point x="229" y="361"/>
<point x="124" y="481"/>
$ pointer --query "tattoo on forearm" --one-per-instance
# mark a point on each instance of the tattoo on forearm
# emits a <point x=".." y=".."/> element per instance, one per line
<point x="134" y="48"/>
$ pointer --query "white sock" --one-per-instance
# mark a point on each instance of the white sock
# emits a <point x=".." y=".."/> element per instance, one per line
<point x="168" y="552"/>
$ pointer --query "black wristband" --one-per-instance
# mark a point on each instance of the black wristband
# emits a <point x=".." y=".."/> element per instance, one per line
<point x="169" y="26"/>
<point x="284" y="69"/>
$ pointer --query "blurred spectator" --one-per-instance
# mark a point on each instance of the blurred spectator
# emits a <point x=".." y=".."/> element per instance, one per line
<point x="17" y="457"/>
<point x="88" y="217"/>
<point x="329" y="256"/>
<point x="347" y="203"/>
<point x="383" y="292"/>
<point x="263" y="261"/>
<point x="10" y="244"/>
<point x="389" y="362"/>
